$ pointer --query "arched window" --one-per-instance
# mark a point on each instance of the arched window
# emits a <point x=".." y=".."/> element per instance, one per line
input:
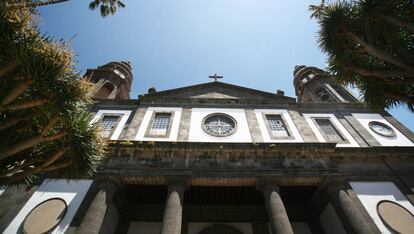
<point x="322" y="94"/>
<point x="105" y="91"/>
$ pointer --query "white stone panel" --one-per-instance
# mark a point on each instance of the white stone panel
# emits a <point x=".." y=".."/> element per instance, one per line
<point x="197" y="134"/>
<point x="118" y="130"/>
<point x="72" y="192"/>
<point x="195" y="228"/>
<point x="398" y="140"/>
<point x="144" y="227"/>
<point x="370" y="193"/>
<point x="330" y="221"/>
<point x="340" y="128"/>
<point x="147" y="118"/>
<point x="289" y="123"/>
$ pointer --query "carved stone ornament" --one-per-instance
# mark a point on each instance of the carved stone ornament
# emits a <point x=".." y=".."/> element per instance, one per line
<point x="45" y="216"/>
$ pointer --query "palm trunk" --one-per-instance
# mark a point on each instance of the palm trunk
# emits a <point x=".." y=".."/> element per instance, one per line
<point x="25" y="105"/>
<point x="57" y="167"/>
<point x="399" y="96"/>
<point x="399" y="77"/>
<point x="370" y="49"/>
<point x="396" y="22"/>
<point x="16" y="92"/>
<point x="28" y="143"/>
<point x="37" y="4"/>
<point x="15" y="120"/>
<point x="52" y="122"/>
<point x="9" y="67"/>
<point x="56" y="156"/>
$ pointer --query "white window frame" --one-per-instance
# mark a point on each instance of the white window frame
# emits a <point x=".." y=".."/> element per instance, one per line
<point x="118" y="129"/>
<point x="296" y="137"/>
<point x="146" y="123"/>
<point x="351" y="141"/>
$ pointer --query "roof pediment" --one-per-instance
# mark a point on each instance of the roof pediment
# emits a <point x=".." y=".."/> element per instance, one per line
<point x="219" y="90"/>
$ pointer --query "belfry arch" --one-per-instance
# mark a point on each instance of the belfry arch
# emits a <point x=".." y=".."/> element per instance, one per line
<point x="105" y="91"/>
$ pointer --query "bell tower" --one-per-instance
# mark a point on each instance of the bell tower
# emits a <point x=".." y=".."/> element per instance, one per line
<point x="112" y="80"/>
<point x="315" y="85"/>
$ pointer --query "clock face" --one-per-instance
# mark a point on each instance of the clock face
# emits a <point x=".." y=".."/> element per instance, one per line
<point x="219" y="125"/>
<point x="381" y="129"/>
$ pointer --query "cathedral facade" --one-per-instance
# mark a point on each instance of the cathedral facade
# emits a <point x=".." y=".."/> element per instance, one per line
<point x="220" y="158"/>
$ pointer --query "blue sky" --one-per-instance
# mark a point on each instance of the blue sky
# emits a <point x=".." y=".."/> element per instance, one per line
<point x="175" y="43"/>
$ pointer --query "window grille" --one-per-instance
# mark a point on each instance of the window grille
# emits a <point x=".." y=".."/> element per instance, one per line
<point x="329" y="131"/>
<point x="160" y="124"/>
<point x="108" y="124"/>
<point x="277" y="126"/>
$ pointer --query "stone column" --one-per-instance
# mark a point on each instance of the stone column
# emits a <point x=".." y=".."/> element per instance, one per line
<point x="171" y="222"/>
<point x="94" y="217"/>
<point x="349" y="213"/>
<point x="279" y="220"/>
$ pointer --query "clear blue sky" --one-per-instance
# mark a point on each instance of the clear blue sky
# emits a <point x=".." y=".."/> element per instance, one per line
<point x="175" y="43"/>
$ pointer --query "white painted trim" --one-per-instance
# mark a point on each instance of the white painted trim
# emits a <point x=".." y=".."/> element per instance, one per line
<point x="147" y="119"/>
<point x="289" y="122"/>
<point x="341" y="128"/>
<point x="398" y="140"/>
<point x="121" y="124"/>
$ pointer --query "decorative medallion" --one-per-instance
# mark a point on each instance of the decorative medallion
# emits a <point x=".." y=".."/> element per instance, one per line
<point x="219" y="125"/>
<point x="381" y="129"/>
<point x="395" y="216"/>
<point x="45" y="216"/>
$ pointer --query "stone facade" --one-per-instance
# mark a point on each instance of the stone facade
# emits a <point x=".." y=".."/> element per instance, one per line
<point x="248" y="182"/>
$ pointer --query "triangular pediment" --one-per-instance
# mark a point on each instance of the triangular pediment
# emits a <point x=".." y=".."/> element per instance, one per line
<point x="218" y="90"/>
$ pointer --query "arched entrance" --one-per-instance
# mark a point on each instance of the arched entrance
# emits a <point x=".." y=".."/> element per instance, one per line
<point x="220" y="229"/>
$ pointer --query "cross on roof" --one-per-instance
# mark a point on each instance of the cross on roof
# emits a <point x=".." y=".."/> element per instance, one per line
<point x="215" y="77"/>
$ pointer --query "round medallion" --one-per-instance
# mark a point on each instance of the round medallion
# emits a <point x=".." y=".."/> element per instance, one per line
<point x="395" y="216"/>
<point x="381" y="129"/>
<point x="45" y="216"/>
<point x="219" y="125"/>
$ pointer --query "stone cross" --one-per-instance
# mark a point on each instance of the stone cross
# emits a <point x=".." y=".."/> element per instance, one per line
<point x="215" y="77"/>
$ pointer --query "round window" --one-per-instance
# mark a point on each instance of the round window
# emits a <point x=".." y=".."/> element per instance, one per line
<point x="219" y="125"/>
<point x="395" y="216"/>
<point x="45" y="216"/>
<point x="381" y="129"/>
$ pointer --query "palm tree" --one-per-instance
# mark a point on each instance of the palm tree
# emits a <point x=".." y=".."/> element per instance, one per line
<point x="44" y="124"/>
<point x="106" y="7"/>
<point x="370" y="45"/>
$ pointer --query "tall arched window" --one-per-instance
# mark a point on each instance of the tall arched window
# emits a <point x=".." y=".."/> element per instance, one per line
<point x="105" y="91"/>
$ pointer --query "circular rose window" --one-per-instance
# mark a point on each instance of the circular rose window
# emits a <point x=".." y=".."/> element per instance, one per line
<point x="45" y="216"/>
<point x="381" y="129"/>
<point x="219" y="125"/>
<point x="395" y="216"/>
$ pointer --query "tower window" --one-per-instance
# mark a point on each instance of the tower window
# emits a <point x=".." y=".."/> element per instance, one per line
<point x="328" y="130"/>
<point x="322" y="94"/>
<point x="160" y="125"/>
<point x="276" y="126"/>
<point x="108" y="124"/>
